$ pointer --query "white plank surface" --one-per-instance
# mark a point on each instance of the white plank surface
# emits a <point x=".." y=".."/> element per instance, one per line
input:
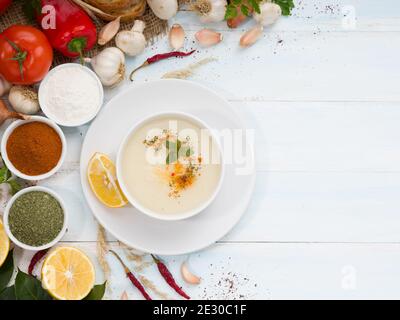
<point x="270" y="271"/>
<point x="324" y="102"/>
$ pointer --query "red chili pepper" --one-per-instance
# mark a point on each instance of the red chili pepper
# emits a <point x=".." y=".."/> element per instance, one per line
<point x="73" y="33"/>
<point x="131" y="277"/>
<point x="162" y="56"/>
<point x="166" y="274"/>
<point x="35" y="259"/>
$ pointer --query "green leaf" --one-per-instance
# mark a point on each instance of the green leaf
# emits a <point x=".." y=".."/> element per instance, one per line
<point x="286" y="6"/>
<point x="256" y="5"/>
<point x="244" y="9"/>
<point x="14" y="186"/>
<point x="173" y="150"/>
<point x="31" y="8"/>
<point x="29" y="288"/>
<point x="6" y="271"/>
<point x="172" y="157"/>
<point x="8" y="294"/>
<point x="5" y="174"/>
<point x="178" y="145"/>
<point x="170" y="144"/>
<point x="97" y="292"/>
<point x="189" y="152"/>
<point x="231" y="12"/>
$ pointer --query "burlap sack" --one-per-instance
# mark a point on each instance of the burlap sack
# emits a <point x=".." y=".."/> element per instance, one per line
<point x="155" y="27"/>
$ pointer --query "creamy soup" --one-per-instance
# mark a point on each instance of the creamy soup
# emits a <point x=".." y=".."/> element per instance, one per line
<point x="171" y="165"/>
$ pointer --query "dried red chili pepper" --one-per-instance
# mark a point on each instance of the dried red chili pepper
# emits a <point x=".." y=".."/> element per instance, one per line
<point x="162" y="56"/>
<point x="131" y="277"/>
<point x="35" y="260"/>
<point x="166" y="274"/>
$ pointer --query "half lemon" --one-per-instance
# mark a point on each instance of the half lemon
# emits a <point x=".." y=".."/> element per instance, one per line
<point x="4" y="244"/>
<point x="68" y="274"/>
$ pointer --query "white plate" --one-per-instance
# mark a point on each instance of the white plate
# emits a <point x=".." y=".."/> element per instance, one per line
<point x="134" y="228"/>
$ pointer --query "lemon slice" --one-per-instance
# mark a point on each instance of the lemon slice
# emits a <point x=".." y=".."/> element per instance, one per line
<point x="4" y="244"/>
<point x="68" y="274"/>
<point x="103" y="181"/>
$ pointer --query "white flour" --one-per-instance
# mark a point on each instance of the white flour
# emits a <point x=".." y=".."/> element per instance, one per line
<point x="71" y="95"/>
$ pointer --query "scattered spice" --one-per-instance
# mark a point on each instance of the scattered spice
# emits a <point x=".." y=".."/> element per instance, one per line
<point x="160" y="57"/>
<point x="132" y="278"/>
<point x="166" y="274"/>
<point x="35" y="260"/>
<point x="36" y="218"/>
<point x="34" y="148"/>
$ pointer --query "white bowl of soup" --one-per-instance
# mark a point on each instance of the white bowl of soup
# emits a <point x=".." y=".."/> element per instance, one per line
<point x="170" y="166"/>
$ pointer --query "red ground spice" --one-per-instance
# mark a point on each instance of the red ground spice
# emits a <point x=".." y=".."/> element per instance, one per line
<point x="34" y="148"/>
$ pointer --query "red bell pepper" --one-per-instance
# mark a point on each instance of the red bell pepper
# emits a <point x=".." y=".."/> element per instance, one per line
<point x="74" y="30"/>
<point x="4" y="4"/>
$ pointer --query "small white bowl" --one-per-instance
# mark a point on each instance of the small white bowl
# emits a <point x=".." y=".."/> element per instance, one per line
<point x="7" y="212"/>
<point x="15" y="125"/>
<point x="136" y="203"/>
<point x="42" y="100"/>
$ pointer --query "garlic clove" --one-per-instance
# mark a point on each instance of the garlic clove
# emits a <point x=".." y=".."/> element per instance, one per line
<point x="188" y="276"/>
<point x="251" y="36"/>
<point x="176" y="37"/>
<point x="5" y="86"/>
<point x="208" y="38"/>
<point x="109" y="31"/>
<point x="124" y="296"/>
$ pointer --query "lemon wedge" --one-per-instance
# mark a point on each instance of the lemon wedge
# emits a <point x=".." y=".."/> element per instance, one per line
<point x="103" y="181"/>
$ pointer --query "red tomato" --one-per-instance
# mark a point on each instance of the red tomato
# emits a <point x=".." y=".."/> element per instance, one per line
<point x="4" y="4"/>
<point x="25" y="55"/>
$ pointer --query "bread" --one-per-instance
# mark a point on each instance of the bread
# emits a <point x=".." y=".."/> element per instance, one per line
<point x="110" y="5"/>
<point x="129" y="13"/>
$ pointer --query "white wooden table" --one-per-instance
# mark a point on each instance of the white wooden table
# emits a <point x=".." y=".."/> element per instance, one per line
<point x="323" y="93"/>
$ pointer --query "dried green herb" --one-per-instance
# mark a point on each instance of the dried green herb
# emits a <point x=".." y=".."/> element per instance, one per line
<point x="36" y="218"/>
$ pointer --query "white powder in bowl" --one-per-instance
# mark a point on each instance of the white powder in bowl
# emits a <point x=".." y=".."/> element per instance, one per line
<point x="71" y="95"/>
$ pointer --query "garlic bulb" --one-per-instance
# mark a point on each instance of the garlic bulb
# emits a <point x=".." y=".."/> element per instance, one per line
<point x="24" y="100"/>
<point x="251" y="36"/>
<point x="176" y="37"/>
<point x="5" y="86"/>
<point x="164" y="9"/>
<point x="132" y="42"/>
<point x="210" y="10"/>
<point x="208" y="38"/>
<point x="109" y="65"/>
<point x="270" y="13"/>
